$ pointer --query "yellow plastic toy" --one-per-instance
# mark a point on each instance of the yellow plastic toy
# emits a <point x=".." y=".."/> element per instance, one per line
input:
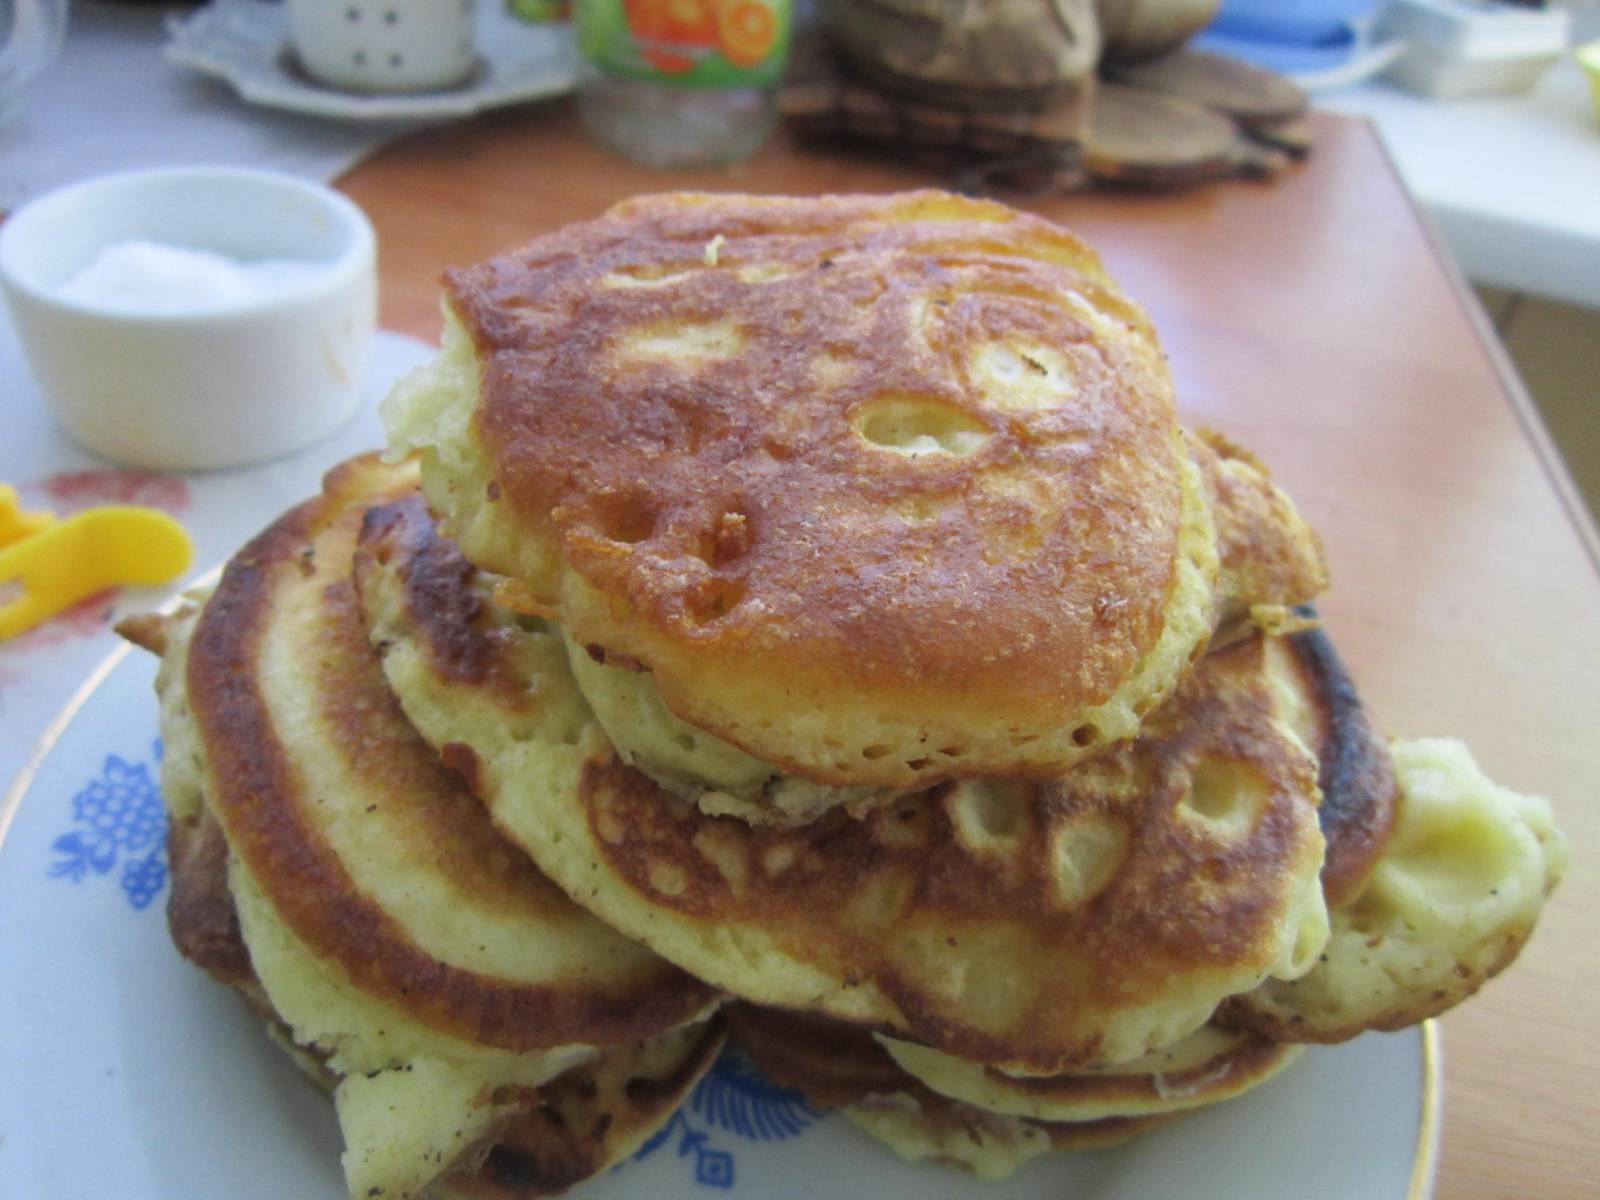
<point x="58" y="563"/>
<point x="16" y="524"/>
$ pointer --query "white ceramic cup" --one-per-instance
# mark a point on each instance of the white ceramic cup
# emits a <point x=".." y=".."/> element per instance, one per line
<point x="204" y="388"/>
<point x="384" y="45"/>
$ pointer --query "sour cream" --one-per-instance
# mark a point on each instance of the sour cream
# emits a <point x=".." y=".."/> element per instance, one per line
<point x="140" y="277"/>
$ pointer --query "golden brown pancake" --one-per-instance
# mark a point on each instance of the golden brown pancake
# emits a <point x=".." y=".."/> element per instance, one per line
<point x="587" y="1120"/>
<point x="1034" y="926"/>
<point x="1271" y="560"/>
<point x="400" y="945"/>
<point x="547" y="1138"/>
<point x="1268" y="554"/>
<point x="882" y="490"/>
<point x="836" y="1066"/>
<point x="280" y="656"/>
<point x="1448" y="904"/>
<point x="1209" y="1065"/>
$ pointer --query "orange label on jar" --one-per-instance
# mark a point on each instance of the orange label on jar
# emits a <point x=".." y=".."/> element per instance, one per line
<point x="693" y="43"/>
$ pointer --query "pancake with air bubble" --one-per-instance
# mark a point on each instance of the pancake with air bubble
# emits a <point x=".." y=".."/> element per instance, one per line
<point x="1035" y="926"/>
<point x="883" y="491"/>
<point x="1270" y="558"/>
<point x="387" y="926"/>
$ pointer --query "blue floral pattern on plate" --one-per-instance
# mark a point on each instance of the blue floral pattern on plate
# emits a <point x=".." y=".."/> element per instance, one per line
<point x="122" y="819"/>
<point x="735" y="1097"/>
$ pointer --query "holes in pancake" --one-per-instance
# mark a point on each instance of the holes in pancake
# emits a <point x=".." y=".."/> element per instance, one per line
<point x="1086" y="852"/>
<point x="875" y="751"/>
<point x="714" y="599"/>
<point x="648" y="274"/>
<point x="765" y="272"/>
<point x="528" y="623"/>
<point x="1085" y="736"/>
<point x="830" y="369"/>
<point x="1023" y="378"/>
<point x="729" y="538"/>
<point x="724" y="849"/>
<point x="776" y="450"/>
<point x="879" y="901"/>
<point x="1227" y="795"/>
<point x="989" y="814"/>
<point x="624" y="519"/>
<point x="685" y="342"/>
<point x="666" y="877"/>
<point x="779" y="857"/>
<point x="919" y="426"/>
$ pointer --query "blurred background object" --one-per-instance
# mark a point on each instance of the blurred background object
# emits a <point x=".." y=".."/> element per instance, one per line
<point x="682" y="83"/>
<point x="1044" y="94"/>
<point x="1138" y="29"/>
<point x="984" y="54"/>
<point x="33" y="30"/>
<point x="385" y="45"/>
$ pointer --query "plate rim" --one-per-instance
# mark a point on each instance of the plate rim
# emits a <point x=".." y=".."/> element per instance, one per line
<point x="1425" y="1160"/>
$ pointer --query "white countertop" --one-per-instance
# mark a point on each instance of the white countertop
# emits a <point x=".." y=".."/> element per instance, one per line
<point x="1513" y="182"/>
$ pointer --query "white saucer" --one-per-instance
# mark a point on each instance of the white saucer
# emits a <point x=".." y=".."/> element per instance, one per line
<point x="246" y="43"/>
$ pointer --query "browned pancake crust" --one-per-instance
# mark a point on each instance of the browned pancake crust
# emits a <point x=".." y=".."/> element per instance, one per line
<point x="1267" y="552"/>
<point x="834" y="1065"/>
<point x="200" y="913"/>
<point x="746" y="528"/>
<point x="1356" y="773"/>
<point x="1243" y="1063"/>
<point x="1182" y="900"/>
<point x="572" y="1127"/>
<point x="461" y="646"/>
<point x="568" y="1128"/>
<point x="258" y="795"/>
<point x="1239" y="1012"/>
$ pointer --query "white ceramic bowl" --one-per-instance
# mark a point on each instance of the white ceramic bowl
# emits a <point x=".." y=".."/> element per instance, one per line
<point x="211" y="387"/>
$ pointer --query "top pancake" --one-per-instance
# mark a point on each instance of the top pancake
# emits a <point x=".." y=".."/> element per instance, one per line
<point x="881" y="490"/>
<point x="361" y="866"/>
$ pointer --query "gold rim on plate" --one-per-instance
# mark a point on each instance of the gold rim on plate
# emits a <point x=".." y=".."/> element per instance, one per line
<point x="1424" y="1163"/>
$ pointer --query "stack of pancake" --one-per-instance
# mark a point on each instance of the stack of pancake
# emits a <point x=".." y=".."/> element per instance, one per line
<point x="815" y="604"/>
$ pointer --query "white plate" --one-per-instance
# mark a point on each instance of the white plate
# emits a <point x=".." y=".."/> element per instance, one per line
<point x="129" y="1074"/>
<point x="246" y="43"/>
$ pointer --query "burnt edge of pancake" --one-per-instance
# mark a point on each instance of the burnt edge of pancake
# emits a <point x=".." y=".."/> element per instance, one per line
<point x="1356" y="773"/>
<point x="324" y="908"/>
<point x="201" y="916"/>
<point x="540" y="1154"/>
<point x="436" y="575"/>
